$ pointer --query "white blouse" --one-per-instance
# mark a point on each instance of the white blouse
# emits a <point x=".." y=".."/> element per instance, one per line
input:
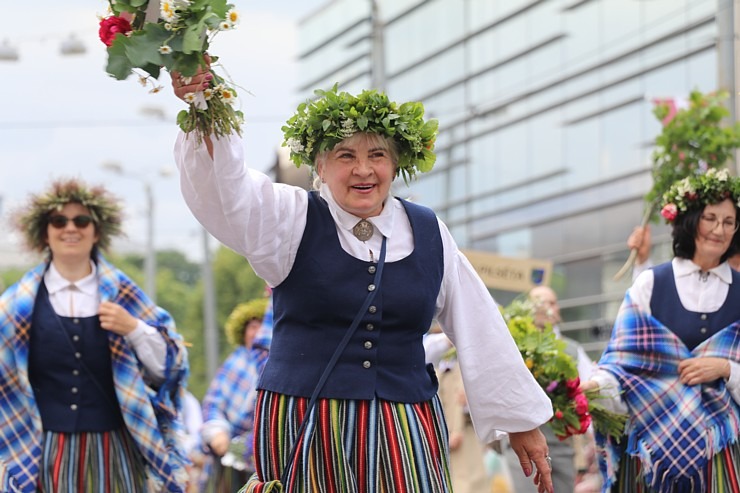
<point x="264" y="222"/>
<point x="81" y="299"/>
<point x="697" y="294"/>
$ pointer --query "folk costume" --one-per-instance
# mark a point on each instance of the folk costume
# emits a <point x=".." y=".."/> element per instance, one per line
<point x="680" y="438"/>
<point x="378" y="423"/>
<point x="115" y="413"/>
<point x="228" y="406"/>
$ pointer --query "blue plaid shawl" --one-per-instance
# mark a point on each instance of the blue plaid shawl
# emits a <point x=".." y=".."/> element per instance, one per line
<point x="149" y="413"/>
<point x="232" y="394"/>
<point x="674" y="429"/>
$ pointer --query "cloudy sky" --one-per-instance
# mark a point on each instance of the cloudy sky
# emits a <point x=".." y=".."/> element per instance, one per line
<point x="64" y="116"/>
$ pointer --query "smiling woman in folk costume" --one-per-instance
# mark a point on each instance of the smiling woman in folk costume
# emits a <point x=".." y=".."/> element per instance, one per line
<point x="92" y="371"/>
<point x="674" y="353"/>
<point x="346" y="402"/>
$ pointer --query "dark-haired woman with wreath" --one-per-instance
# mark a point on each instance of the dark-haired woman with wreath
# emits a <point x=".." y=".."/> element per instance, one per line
<point x="346" y="402"/>
<point x="228" y="406"/>
<point x="91" y="371"/>
<point x="673" y="361"/>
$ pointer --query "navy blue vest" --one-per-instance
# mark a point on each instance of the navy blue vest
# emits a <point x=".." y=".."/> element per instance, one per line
<point x="68" y="397"/>
<point x="317" y="302"/>
<point x="692" y="328"/>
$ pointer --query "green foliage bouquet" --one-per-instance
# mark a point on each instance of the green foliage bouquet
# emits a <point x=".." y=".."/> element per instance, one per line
<point x="556" y="372"/>
<point x="693" y="140"/>
<point x="143" y="36"/>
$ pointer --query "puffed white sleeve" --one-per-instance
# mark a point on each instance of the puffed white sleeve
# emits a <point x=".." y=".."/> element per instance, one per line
<point x="241" y="207"/>
<point x="503" y="396"/>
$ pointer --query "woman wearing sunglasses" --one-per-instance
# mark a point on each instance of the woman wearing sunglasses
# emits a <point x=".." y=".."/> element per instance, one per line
<point x="91" y="371"/>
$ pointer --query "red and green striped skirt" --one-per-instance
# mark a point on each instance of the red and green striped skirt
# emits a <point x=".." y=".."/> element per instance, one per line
<point x="350" y="446"/>
<point x="106" y="462"/>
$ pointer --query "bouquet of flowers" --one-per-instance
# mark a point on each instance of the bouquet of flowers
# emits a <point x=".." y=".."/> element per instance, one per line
<point x="556" y="372"/>
<point x="693" y="140"/>
<point x="143" y="36"/>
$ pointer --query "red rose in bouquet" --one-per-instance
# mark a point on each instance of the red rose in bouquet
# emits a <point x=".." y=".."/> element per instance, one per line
<point x="111" y="26"/>
<point x="175" y="36"/>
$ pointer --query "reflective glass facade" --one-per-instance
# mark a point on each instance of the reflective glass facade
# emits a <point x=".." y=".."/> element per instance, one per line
<point x="545" y="119"/>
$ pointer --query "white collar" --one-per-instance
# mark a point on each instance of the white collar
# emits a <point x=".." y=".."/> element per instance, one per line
<point x="383" y="222"/>
<point x="683" y="267"/>
<point x="55" y="282"/>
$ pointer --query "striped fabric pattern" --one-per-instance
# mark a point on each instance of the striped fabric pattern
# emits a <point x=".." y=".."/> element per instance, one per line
<point x="149" y="414"/>
<point x="91" y="463"/>
<point x="351" y="446"/>
<point x="674" y="429"/>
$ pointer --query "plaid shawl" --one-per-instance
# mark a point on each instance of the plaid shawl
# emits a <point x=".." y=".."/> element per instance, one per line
<point x="232" y="394"/>
<point x="149" y="413"/>
<point x="674" y="429"/>
<point x="229" y="394"/>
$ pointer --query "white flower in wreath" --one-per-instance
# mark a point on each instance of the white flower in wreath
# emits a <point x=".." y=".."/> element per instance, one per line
<point x="295" y="145"/>
<point x="348" y="128"/>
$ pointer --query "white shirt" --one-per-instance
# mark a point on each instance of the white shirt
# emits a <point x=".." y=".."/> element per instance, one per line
<point x="81" y="299"/>
<point x="264" y="222"/>
<point x="696" y="295"/>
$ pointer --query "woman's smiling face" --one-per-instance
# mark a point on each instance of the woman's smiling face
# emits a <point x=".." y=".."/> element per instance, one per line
<point x="359" y="172"/>
<point x="717" y="226"/>
<point x="71" y="242"/>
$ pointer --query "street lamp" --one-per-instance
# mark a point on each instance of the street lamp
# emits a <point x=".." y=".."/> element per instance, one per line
<point x="150" y="259"/>
<point x="8" y="52"/>
<point x="377" y="54"/>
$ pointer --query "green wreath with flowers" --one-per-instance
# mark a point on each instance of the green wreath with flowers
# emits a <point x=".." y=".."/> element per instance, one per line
<point x="695" y="192"/>
<point x="319" y="125"/>
<point x="105" y="210"/>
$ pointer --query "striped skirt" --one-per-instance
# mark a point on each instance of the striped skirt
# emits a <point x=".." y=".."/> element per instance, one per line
<point x="722" y="475"/>
<point x="350" y="446"/>
<point x="106" y="462"/>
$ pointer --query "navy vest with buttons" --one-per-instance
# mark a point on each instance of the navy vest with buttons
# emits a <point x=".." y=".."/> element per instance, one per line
<point x="315" y="305"/>
<point x="692" y="328"/>
<point x="68" y="398"/>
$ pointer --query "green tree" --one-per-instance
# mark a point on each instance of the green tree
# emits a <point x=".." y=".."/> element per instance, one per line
<point x="234" y="283"/>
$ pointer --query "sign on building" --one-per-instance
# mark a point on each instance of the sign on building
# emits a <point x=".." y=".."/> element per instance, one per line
<point x="509" y="273"/>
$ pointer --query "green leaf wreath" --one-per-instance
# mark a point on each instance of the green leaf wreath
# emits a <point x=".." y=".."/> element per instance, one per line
<point x="319" y="125"/>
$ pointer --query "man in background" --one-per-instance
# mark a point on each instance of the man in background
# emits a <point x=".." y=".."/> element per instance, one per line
<point x="567" y="457"/>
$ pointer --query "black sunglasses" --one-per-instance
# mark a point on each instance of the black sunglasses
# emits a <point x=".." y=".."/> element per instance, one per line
<point x="60" y="221"/>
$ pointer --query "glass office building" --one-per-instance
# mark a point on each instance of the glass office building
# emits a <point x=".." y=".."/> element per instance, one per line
<point x="545" y="111"/>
